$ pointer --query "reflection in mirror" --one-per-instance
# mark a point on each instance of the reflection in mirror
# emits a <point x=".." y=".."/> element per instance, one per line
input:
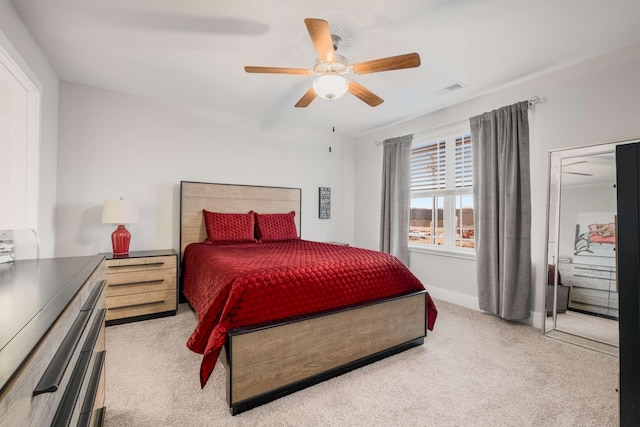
<point x="581" y="297"/>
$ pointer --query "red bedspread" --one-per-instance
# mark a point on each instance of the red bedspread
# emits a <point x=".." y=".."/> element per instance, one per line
<point x="242" y="284"/>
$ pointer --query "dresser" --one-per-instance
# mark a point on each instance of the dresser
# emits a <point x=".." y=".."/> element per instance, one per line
<point x="593" y="288"/>
<point x="141" y="285"/>
<point x="52" y="355"/>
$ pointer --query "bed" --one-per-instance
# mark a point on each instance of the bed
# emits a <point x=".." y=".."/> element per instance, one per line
<point x="283" y="314"/>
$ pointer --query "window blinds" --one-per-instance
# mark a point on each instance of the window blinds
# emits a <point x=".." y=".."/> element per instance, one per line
<point x="464" y="171"/>
<point x="428" y="167"/>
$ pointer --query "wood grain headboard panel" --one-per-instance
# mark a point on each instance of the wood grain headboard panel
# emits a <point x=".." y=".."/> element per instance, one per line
<point x="230" y="198"/>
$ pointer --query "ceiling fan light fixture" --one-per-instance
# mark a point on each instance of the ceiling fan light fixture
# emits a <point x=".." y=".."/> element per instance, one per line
<point x="330" y="67"/>
<point x="330" y="86"/>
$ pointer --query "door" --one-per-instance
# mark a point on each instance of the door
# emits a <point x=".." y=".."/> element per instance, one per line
<point x="628" y="187"/>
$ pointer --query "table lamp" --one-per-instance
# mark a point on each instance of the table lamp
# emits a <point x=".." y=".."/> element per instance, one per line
<point x="121" y="212"/>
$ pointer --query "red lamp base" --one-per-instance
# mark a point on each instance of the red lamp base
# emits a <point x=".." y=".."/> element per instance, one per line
<point x="120" y="240"/>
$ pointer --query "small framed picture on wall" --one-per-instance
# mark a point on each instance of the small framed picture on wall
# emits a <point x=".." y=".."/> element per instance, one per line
<point x="324" y="199"/>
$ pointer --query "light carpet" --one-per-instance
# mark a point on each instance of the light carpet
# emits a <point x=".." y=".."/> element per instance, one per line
<point x="473" y="370"/>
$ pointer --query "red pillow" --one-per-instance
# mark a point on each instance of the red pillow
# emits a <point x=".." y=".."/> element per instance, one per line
<point x="229" y="227"/>
<point x="272" y="227"/>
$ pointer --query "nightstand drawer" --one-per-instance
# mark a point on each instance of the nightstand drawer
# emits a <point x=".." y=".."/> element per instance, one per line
<point x="141" y="285"/>
<point x="136" y="264"/>
<point x="140" y="304"/>
<point x="140" y="281"/>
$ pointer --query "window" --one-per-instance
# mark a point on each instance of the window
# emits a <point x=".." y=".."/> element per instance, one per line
<point x="442" y="191"/>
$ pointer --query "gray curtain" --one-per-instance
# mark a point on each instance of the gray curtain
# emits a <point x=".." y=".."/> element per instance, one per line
<point x="502" y="210"/>
<point x="396" y="197"/>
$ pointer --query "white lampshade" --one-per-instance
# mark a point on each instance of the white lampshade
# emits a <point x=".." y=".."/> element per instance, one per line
<point x="118" y="211"/>
<point x="330" y="86"/>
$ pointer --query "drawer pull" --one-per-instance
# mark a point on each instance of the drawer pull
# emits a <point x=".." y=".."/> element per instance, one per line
<point x="589" y="303"/>
<point x="138" y="304"/>
<point x="92" y="390"/>
<point x="52" y="376"/>
<point x="605" y="269"/>
<point x="91" y="302"/>
<point x="592" y="289"/>
<point x="142" y="282"/>
<point x="96" y="326"/>
<point x="592" y="277"/>
<point x="71" y="393"/>
<point x="150" y="264"/>
<point x="55" y="371"/>
<point x="99" y="417"/>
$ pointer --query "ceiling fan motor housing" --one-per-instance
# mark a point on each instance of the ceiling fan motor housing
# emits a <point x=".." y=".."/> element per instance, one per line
<point x="335" y="40"/>
<point x="340" y="66"/>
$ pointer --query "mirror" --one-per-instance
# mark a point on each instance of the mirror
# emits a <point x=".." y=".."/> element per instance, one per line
<point x="581" y="297"/>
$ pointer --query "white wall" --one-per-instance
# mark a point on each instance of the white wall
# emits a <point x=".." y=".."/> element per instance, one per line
<point x="591" y="102"/>
<point x="114" y="144"/>
<point x="20" y="46"/>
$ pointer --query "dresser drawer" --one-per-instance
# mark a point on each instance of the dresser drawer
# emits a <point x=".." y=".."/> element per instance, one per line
<point x="589" y="308"/>
<point x="140" y="304"/>
<point x="133" y="282"/>
<point x="590" y="297"/>
<point x="592" y="287"/>
<point x="18" y="402"/>
<point x="587" y="278"/>
<point x="595" y="277"/>
<point x="137" y="264"/>
<point x="53" y="385"/>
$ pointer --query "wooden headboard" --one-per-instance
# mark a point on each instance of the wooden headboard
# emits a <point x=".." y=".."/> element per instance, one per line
<point x="229" y="198"/>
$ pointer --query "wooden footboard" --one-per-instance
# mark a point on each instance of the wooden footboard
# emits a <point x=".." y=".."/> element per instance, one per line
<point x="270" y="361"/>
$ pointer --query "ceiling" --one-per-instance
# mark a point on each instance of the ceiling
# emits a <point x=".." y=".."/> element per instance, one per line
<point x="588" y="170"/>
<point x="191" y="53"/>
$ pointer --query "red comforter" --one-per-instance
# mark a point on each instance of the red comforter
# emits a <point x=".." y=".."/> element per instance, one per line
<point x="242" y="284"/>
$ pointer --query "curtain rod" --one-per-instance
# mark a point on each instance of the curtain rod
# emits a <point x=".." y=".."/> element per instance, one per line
<point x="533" y="101"/>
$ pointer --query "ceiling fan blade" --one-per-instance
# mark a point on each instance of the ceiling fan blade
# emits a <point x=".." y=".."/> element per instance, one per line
<point x="409" y="60"/>
<point x="277" y="70"/>
<point x="321" y="37"/>
<point x="578" y="173"/>
<point x="574" y="163"/>
<point x="364" y="94"/>
<point x="307" y="98"/>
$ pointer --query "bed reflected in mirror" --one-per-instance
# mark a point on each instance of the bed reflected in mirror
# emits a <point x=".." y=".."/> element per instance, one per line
<point x="581" y="295"/>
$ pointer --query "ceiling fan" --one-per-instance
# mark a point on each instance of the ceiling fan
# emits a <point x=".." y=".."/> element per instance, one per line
<point x="576" y="173"/>
<point x="330" y="68"/>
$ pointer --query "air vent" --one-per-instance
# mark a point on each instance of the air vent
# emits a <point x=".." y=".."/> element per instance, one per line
<point x="454" y="87"/>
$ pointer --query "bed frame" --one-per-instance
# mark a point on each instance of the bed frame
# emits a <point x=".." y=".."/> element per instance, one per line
<point x="265" y="362"/>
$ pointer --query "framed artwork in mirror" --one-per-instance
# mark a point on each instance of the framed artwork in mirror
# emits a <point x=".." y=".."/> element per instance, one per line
<point x="596" y="234"/>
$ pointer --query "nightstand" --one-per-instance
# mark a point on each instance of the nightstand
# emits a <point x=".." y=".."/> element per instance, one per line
<point x="141" y="285"/>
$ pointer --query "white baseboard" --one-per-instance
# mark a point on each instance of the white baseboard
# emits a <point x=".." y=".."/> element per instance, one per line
<point x="457" y="298"/>
<point x="535" y="320"/>
<point x="469" y="301"/>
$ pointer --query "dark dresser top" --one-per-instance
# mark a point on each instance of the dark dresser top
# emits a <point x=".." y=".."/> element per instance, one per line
<point x="33" y="293"/>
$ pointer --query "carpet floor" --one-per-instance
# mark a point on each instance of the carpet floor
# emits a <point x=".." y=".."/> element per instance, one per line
<point x="473" y="370"/>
